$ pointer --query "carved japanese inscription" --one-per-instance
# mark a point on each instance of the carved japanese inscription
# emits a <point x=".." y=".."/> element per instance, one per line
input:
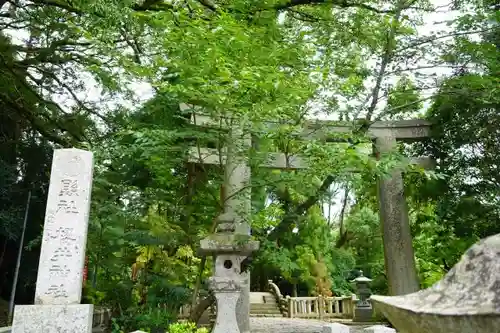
<point x="64" y="239"/>
<point x="73" y="318"/>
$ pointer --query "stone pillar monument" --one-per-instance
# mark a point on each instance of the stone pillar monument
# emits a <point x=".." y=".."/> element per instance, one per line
<point x="60" y="272"/>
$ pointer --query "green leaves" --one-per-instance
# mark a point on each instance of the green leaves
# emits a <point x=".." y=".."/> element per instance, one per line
<point x="227" y="65"/>
<point x="256" y="61"/>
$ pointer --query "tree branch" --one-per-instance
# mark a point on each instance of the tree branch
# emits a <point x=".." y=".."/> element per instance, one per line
<point x="342" y="232"/>
<point x="389" y="111"/>
<point x="342" y="4"/>
<point x="208" y="4"/>
<point x="148" y="5"/>
<point x="80" y="103"/>
<point x="344" y="207"/>
<point x="401" y="70"/>
<point x="39" y="128"/>
<point x="426" y="40"/>
<point x="153" y="5"/>
<point x="66" y="6"/>
<point x="291" y="217"/>
<point x="386" y="59"/>
<point x="387" y="56"/>
<point x="306" y="17"/>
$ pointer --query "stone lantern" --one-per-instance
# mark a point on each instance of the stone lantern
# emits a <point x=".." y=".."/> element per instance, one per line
<point x="229" y="249"/>
<point x="363" y="310"/>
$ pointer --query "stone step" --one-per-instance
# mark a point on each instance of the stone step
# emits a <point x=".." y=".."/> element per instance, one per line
<point x="264" y="306"/>
<point x="264" y="309"/>
<point x="261" y="297"/>
<point x="269" y="299"/>
<point x="268" y="315"/>
<point x="268" y="303"/>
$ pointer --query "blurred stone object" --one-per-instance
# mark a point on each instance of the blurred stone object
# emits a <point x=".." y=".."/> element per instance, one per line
<point x="466" y="300"/>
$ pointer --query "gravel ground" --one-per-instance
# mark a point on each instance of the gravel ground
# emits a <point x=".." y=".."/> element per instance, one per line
<point x="287" y="325"/>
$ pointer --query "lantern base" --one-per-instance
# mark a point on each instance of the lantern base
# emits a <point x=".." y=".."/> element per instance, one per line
<point x="364" y="314"/>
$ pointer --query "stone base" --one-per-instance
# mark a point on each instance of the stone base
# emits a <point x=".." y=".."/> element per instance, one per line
<point x="363" y="314"/>
<point x="379" y="329"/>
<point x="73" y="318"/>
<point x="335" y="328"/>
<point x="407" y="321"/>
<point x="466" y="300"/>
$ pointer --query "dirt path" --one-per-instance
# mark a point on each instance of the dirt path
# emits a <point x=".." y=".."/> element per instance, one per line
<point x="288" y="325"/>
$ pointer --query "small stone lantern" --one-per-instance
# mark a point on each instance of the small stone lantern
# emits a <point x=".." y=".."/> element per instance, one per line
<point x="363" y="310"/>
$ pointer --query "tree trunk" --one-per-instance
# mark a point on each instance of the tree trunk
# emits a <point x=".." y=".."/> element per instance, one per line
<point x="342" y="211"/>
<point x="198" y="283"/>
<point x="204" y="261"/>
<point x="263" y="280"/>
<point x="294" y="290"/>
<point x="202" y="306"/>
<point x="3" y="252"/>
<point x="1" y="262"/>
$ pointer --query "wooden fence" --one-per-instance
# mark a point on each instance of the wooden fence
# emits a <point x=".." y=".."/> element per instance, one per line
<point x="320" y="307"/>
<point x="313" y="307"/>
<point x="184" y="312"/>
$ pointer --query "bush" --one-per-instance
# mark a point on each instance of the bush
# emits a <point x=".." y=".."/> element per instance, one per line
<point x="185" y="327"/>
<point x="152" y="320"/>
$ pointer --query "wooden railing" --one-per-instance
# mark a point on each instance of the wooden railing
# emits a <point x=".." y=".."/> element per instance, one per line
<point x="280" y="300"/>
<point x="184" y="312"/>
<point x="314" y="307"/>
<point x="320" y="307"/>
<point x="302" y="307"/>
<point x="101" y="319"/>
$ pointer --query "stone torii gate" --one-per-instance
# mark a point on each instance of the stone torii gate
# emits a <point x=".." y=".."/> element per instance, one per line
<point x="398" y="249"/>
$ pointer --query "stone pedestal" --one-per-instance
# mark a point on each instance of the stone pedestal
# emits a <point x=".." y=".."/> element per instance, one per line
<point x="74" y="318"/>
<point x="243" y="305"/>
<point x="363" y="314"/>
<point x="228" y="292"/>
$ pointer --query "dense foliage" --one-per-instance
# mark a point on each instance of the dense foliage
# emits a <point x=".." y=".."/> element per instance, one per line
<point x="109" y="76"/>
